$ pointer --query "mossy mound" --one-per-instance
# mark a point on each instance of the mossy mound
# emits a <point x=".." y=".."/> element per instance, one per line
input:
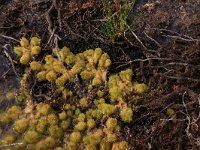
<point x="90" y="119"/>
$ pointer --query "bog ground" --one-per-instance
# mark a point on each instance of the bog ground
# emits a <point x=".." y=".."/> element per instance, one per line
<point x="157" y="39"/>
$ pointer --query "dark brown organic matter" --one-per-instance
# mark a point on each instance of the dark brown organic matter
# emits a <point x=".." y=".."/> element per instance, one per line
<point x="161" y="45"/>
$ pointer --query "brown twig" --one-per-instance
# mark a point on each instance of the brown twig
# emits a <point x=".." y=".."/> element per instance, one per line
<point x="185" y="38"/>
<point x="10" y="145"/>
<point x="10" y="60"/>
<point x="178" y="77"/>
<point x="181" y="38"/>
<point x="142" y="60"/>
<point x="52" y="31"/>
<point x="137" y="38"/>
<point x="50" y="38"/>
<point x="8" y="37"/>
<point x="75" y="34"/>
<point x="59" y="15"/>
<point x="36" y="2"/>
<point x="48" y="19"/>
<point x="3" y="75"/>
<point x="56" y="37"/>
<point x="152" y="39"/>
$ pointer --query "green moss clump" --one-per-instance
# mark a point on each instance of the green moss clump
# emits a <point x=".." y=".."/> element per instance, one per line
<point x="90" y="147"/>
<point x="21" y="96"/>
<point x="24" y="80"/>
<point x="123" y="145"/>
<point x="126" y="75"/>
<point x="102" y="61"/>
<point x="77" y="111"/>
<point x="10" y="95"/>
<point x="59" y="67"/>
<point x="96" y="81"/>
<point x="41" y="145"/>
<point x="106" y="109"/>
<point x="87" y="75"/>
<point x="65" y="124"/>
<point x="59" y="148"/>
<point x="41" y="125"/>
<point x="51" y="76"/>
<point x="69" y="113"/>
<point x="50" y="142"/>
<point x="115" y="93"/>
<point x="21" y="125"/>
<point x="80" y="126"/>
<point x="126" y="114"/>
<point x="25" y="58"/>
<point x="26" y="51"/>
<point x="13" y="112"/>
<point x="60" y="81"/>
<point x="94" y="138"/>
<point x="96" y="114"/>
<point x="55" y="132"/>
<point x="70" y="59"/>
<point x="64" y="52"/>
<point x="81" y="118"/>
<point x="35" y="66"/>
<point x="111" y="137"/>
<point x="4" y="118"/>
<point x="105" y="145"/>
<point x="111" y="123"/>
<point x="43" y="108"/>
<point x="35" y="50"/>
<point x="100" y="93"/>
<point x="8" y="139"/>
<point x="41" y="76"/>
<point x="35" y="41"/>
<point x="140" y="88"/>
<point x="83" y="102"/>
<point x="52" y="119"/>
<point x="49" y="59"/>
<point x="97" y="54"/>
<point x="31" y="137"/>
<point x="62" y="115"/>
<point x="18" y="50"/>
<point x="71" y="146"/>
<point x="171" y="113"/>
<point x="78" y="67"/>
<point x="24" y="42"/>
<point x="91" y="123"/>
<point x="75" y="137"/>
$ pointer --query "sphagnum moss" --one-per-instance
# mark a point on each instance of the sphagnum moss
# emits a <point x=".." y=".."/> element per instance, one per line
<point x="62" y="115"/>
<point x="8" y="139"/>
<point x="75" y="137"/>
<point x="41" y="125"/>
<point x="31" y="136"/>
<point x="80" y="126"/>
<point x="52" y="119"/>
<point x="126" y="114"/>
<point x="10" y="95"/>
<point x="111" y="123"/>
<point x="91" y="123"/>
<point x="55" y="131"/>
<point x="41" y="145"/>
<point x="13" y="112"/>
<point x="50" y="142"/>
<point x="21" y="125"/>
<point x="92" y="120"/>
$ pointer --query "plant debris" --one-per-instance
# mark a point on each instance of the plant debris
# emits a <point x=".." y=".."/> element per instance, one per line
<point x="160" y="44"/>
